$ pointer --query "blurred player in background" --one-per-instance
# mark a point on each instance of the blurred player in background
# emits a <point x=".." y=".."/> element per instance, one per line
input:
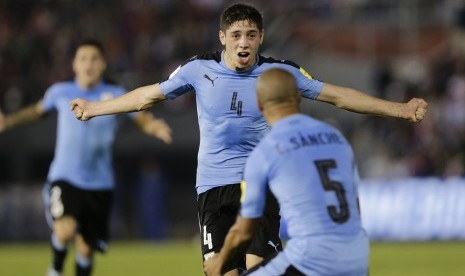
<point x="80" y="182"/>
<point x="310" y="168"/>
<point x="231" y="124"/>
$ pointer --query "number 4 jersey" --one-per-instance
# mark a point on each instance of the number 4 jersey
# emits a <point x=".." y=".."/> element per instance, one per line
<point x="230" y="123"/>
<point x="309" y="166"/>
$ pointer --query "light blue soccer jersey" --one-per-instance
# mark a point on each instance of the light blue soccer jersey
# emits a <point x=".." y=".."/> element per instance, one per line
<point x="83" y="150"/>
<point x="309" y="166"/>
<point x="230" y="122"/>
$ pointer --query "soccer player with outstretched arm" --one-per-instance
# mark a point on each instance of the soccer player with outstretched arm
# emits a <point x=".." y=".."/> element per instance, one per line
<point x="80" y="182"/>
<point x="231" y="124"/>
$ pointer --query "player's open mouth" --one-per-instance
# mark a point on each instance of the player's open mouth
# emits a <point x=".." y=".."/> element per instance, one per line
<point x="243" y="57"/>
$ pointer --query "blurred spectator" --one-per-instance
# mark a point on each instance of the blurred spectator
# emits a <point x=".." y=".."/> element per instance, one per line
<point x="459" y="33"/>
<point x="382" y="77"/>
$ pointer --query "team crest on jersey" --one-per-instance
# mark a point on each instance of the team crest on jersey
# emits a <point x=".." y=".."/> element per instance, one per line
<point x="243" y="185"/>
<point x="106" y="96"/>
<point x="302" y="70"/>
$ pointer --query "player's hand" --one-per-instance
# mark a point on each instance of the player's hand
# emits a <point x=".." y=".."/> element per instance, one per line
<point x="415" y="110"/>
<point x="212" y="266"/>
<point x="81" y="108"/>
<point x="158" y="128"/>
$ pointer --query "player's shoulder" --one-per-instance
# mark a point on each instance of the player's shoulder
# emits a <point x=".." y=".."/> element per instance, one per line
<point x="57" y="91"/>
<point x="193" y="64"/>
<point x="60" y="86"/>
<point x="308" y="122"/>
<point x="110" y="84"/>
<point x="294" y="68"/>
<point x="319" y="126"/>
<point x="109" y="89"/>
<point x="212" y="56"/>
<point x="264" y="60"/>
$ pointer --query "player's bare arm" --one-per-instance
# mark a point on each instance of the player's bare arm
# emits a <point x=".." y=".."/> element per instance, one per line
<point x="153" y="126"/>
<point x="356" y="101"/>
<point x="23" y="116"/>
<point x="136" y="100"/>
<point x="234" y="247"/>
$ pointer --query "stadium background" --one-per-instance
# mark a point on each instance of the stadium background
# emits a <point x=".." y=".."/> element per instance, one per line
<point x="389" y="48"/>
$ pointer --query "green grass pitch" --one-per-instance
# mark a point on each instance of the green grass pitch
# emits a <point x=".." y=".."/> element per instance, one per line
<point x="183" y="258"/>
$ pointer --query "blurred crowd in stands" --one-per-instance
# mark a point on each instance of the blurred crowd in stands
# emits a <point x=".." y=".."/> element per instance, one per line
<point x="435" y="147"/>
<point x="146" y="39"/>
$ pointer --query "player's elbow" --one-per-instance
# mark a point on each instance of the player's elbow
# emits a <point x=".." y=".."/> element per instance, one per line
<point x="341" y="97"/>
<point x="149" y="96"/>
<point x="339" y="100"/>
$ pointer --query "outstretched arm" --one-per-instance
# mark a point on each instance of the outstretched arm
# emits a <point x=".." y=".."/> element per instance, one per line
<point x="136" y="100"/>
<point x="153" y="126"/>
<point x="356" y="101"/>
<point x="23" y="116"/>
<point x="234" y="247"/>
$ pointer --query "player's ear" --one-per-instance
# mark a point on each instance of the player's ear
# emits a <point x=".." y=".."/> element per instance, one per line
<point x="222" y="36"/>
<point x="262" y="34"/>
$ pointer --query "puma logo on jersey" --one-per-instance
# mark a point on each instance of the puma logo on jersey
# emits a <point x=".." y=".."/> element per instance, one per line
<point x="208" y="78"/>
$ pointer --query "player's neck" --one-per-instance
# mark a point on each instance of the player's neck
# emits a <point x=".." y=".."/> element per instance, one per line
<point x="231" y="64"/>
<point x="275" y="114"/>
<point x="86" y="85"/>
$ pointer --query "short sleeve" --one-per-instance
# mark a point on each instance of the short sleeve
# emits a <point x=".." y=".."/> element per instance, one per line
<point x="308" y="86"/>
<point x="179" y="82"/>
<point x="50" y="98"/>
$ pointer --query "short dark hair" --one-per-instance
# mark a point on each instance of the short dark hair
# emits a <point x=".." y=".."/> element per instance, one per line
<point x="91" y="42"/>
<point x="240" y="12"/>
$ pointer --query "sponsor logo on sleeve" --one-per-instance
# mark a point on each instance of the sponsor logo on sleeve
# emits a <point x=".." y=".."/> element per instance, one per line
<point x="307" y="75"/>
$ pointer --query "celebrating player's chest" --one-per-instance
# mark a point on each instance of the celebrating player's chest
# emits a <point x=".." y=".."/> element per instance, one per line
<point x="229" y="96"/>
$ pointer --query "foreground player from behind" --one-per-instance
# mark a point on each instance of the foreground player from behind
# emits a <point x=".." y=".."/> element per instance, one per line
<point x="309" y="166"/>
<point x="231" y="124"/>
<point x="80" y="183"/>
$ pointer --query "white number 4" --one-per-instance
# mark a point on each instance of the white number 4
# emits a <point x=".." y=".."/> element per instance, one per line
<point x="207" y="238"/>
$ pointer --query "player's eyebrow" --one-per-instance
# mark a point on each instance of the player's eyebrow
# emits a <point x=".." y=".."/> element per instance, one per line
<point x="247" y="32"/>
